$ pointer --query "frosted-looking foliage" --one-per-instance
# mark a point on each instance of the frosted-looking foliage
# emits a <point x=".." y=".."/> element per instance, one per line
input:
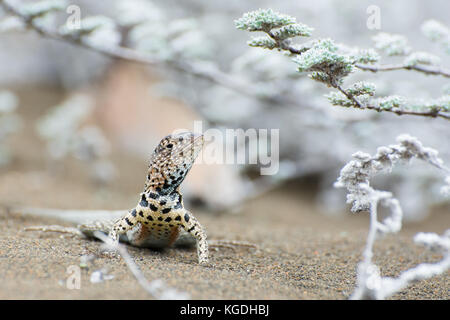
<point x="65" y="132"/>
<point x="355" y="177"/>
<point x="135" y="12"/>
<point x="421" y="58"/>
<point x="392" y="44"/>
<point x="438" y="32"/>
<point x="150" y="31"/>
<point x="97" y="31"/>
<point x="40" y="8"/>
<point x="330" y="63"/>
<point x="9" y="123"/>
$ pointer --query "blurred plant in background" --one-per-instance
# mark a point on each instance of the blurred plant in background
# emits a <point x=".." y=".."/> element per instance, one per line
<point x="10" y="122"/>
<point x="204" y="63"/>
<point x="66" y="133"/>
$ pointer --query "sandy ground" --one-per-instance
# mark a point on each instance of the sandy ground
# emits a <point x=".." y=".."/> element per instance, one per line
<point x="301" y="252"/>
<point x="301" y="255"/>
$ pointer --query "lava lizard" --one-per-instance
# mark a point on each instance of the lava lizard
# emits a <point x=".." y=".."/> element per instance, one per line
<point x="159" y="219"/>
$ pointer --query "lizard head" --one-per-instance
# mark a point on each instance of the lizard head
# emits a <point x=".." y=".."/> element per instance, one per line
<point x="172" y="160"/>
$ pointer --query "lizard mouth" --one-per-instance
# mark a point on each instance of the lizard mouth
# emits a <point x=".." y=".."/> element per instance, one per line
<point x="190" y="140"/>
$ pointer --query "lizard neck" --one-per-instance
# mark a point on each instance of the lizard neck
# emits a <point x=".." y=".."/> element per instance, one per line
<point x="155" y="197"/>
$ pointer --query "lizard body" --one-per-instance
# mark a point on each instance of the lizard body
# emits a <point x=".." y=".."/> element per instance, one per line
<point x="159" y="216"/>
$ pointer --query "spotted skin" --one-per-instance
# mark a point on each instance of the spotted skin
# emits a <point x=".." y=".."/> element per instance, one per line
<point x="160" y="215"/>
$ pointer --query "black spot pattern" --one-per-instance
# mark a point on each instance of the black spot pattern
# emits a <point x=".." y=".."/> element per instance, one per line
<point x="153" y="195"/>
<point x="143" y="202"/>
<point x="178" y="205"/>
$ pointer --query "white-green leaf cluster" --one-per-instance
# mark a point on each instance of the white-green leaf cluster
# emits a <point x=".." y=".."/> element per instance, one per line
<point x="171" y="39"/>
<point x="362" y="88"/>
<point x="97" y="31"/>
<point x="88" y="25"/>
<point x="292" y="30"/>
<point x="437" y="32"/>
<point x="392" y="44"/>
<point x="390" y="102"/>
<point x="263" y="42"/>
<point x="134" y="12"/>
<point x="323" y="57"/>
<point x="263" y="20"/>
<point x="321" y="77"/>
<point x="365" y="56"/>
<point x="64" y="129"/>
<point x="40" y="8"/>
<point x="436" y="105"/>
<point x="339" y="99"/>
<point x="420" y="57"/>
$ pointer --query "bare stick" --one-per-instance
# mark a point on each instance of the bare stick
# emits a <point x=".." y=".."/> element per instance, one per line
<point x="56" y="228"/>
<point x="157" y="288"/>
<point x="431" y="70"/>
<point x="230" y="244"/>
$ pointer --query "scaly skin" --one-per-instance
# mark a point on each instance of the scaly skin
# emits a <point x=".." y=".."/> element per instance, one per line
<point x="160" y="214"/>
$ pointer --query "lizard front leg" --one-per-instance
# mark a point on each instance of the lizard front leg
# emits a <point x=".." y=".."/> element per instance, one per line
<point x="192" y="226"/>
<point x="122" y="225"/>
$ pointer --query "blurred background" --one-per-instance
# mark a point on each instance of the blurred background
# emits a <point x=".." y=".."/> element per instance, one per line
<point x="77" y="127"/>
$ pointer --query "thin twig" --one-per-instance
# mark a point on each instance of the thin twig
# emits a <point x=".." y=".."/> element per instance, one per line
<point x="230" y="244"/>
<point x="56" y="228"/>
<point x="284" y="45"/>
<point x="349" y="96"/>
<point x="358" y="105"/>
<point x="433" y="70"/>
<point x="157" y="288"/>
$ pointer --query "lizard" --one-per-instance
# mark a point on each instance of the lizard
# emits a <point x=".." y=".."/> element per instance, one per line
<point x="160" y="213"/>
<point x="159" y="219"/>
